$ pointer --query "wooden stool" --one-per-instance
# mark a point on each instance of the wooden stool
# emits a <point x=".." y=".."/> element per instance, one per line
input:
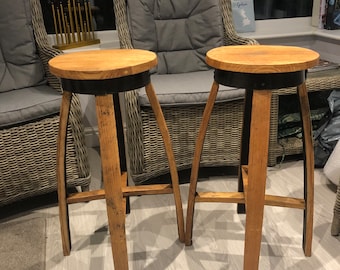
<point x="105" y="73"/>
<point x="258" y="69"/>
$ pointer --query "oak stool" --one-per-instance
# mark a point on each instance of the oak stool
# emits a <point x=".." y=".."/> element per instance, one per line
<point x="259" y="69"/>
<point x="104" y="74"/>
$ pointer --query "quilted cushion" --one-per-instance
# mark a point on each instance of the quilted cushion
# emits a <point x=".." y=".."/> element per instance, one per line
<point x="24" y="93"/>
<point x="28" y="104"/>
<point x="180" y="32"/>
<point x="20" y="65"/>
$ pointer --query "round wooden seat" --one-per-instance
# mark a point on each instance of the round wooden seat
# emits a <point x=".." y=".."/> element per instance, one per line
<point x="104" y="71"/>
<point x="262" y="59"/>
<point x="102" y="64"/>
<point x="259" y="69"/>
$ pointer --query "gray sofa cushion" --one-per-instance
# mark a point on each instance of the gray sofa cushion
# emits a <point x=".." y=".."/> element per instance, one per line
<point x="28" y="104"/>
<point x="24" y="93"/>
<point x="187" y="89"/>
<point x="180" y="32"/>
<point x="20" y="65"/>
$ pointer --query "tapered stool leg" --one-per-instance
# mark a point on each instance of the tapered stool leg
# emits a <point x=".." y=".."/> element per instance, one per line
<point x="196" y="162"/>
<point x="308" y="170"/>
<point x="257" y="171"/>
<point x="171" y="158"/>
<point x="112" y="177"/>
<point x="61" y="173"/>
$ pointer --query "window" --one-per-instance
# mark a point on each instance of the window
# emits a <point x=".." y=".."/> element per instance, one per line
<point x="274" y="9"/>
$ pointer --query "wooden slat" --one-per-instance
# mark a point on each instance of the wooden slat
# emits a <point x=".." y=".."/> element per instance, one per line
<point x="238" y="197"/>
<point x="271" y="199"/>
<point x="225" y="197"/>
<point x="127" y="191"/>
<point x="284" y="201"/>
<point x="86" y="196"/>
<point x="147" y="190"/>
<point x="93" y="194"/>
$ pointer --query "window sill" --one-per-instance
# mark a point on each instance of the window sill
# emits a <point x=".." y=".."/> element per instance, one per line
<point x="289" y="28"/>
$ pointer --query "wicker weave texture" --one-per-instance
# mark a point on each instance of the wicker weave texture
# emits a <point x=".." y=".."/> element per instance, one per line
<point x="28" y="161"/>
<point x="28" y="152"/>
<point x="183" y="124"/>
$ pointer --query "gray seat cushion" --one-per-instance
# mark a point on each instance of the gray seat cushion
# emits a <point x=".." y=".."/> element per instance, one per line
<point x="24" y="93"/>
<point x="180" y="32"/>
<point x="20" y="65"/>
<point x="187" y="89"/>
<point x="28" y="104"/>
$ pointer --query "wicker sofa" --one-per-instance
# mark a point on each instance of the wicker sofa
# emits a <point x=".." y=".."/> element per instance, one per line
<point x="221" y="147"/>
<point x="29" y="111"/>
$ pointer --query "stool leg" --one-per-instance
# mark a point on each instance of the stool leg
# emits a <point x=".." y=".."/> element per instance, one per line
<point x="308" y="169"/>
<point x="196" y="162"/>
<point x="115" y="203"/>
<point x="61" y="173"/>
<point x="170" y="155"/>
<point x="257" y="173"/>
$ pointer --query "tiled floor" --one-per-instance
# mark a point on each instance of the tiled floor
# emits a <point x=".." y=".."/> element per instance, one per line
<point x="218" y="236"/>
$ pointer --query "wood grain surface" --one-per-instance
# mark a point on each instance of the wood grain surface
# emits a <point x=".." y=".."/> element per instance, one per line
<point x="102" y="64"/>
<point x="262" y="58"/>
